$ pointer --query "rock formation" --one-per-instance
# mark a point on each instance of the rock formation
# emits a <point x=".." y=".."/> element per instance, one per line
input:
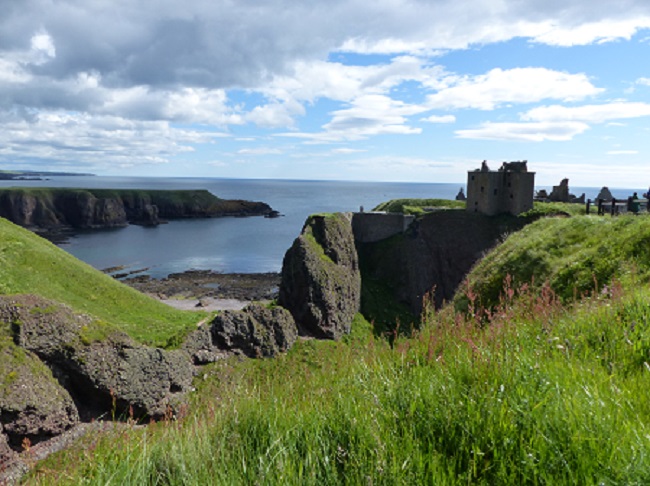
<point x="33" y="405"/>
<point x="321" y="281"/>
<point x="7" y="455"/>
<point x="256" y="331"/>
<point x="104" y="208"/>
<point x="102" y="372"/>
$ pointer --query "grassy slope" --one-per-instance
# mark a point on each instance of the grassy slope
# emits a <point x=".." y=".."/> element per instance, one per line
<point x="32" y="265"/>
<point x="573" y="255"/>
<point x="538" y="392"/>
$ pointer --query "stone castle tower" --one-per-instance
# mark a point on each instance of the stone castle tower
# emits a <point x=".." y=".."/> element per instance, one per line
<point x="508" y="190"/>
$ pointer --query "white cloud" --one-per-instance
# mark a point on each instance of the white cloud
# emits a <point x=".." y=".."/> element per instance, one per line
<point x="622" y="152"/>
<point x="367" y="116"/>
<point x="347" y="151"/>
<point x="96" y="141"/>
<point x="260" y="151"/>
<point x="598" y="32"/>
<point x="519" y="85"/>
<point x="528" y="132"/>
<point x="589" y="113"/>
<point x="43" y="47"/>
<point x="439" y="119"/>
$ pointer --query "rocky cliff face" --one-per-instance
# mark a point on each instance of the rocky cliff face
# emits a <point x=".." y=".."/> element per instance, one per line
<point x="101" y="208"/>
<point x="321" y="281"/>
<point x="435" y="254"/>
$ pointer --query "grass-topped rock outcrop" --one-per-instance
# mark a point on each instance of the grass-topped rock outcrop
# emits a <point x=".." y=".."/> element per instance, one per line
<point x="51" y="208"/>
<point x="104" y="369"/>
<point x="321" y="282"/>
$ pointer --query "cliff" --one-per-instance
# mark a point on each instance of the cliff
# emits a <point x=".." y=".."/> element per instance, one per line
<point x="321" y="283"/>
<point x="50" y="208"/>
<point x="433" y="256"/>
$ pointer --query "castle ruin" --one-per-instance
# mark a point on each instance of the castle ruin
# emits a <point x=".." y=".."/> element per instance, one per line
<point x="507" y="190"/>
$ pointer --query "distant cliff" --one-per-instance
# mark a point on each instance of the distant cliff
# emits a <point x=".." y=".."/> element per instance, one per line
<point x="51" y="208"/>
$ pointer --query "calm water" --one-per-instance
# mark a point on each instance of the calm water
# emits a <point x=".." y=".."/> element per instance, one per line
<point x="245" y="245"/>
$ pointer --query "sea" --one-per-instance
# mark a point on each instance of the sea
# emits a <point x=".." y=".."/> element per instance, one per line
<point x="232" y="244"/>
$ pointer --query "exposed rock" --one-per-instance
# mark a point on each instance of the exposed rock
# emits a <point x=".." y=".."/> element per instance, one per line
<point x="104" y="370"/>
<point x="7" y="455"/>
<point x="256" y="331"/>
<point x="33" y="405"/>
<point x="200" y="346"/>
<point x="321" y="282"/>
<point x="151" y="381"/>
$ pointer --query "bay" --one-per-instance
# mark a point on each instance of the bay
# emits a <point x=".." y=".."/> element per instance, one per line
<point x="231" y="245"/>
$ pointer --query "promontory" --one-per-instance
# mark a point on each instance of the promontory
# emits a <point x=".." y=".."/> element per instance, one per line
<point x="53" y="208"/>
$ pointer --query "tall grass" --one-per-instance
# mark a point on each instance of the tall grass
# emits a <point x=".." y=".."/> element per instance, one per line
<point x="530" y="391"/>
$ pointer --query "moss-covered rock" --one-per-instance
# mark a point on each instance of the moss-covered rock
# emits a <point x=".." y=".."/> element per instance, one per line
<point x="256" y="331"/>
<point x="104" y="370"/>
<point x="321" y="282"/>
<point x="33" y="405"/>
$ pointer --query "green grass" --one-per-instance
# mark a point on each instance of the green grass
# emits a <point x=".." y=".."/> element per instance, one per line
<point x="546" y="394"/>
<point x="32" y="265"/>
<point x="573" y="255"/>
<point x="536" y="389"/>
<point x="417" y="206"/>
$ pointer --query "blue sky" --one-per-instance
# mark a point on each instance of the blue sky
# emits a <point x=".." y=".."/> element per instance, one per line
<point x="390" y="90"/>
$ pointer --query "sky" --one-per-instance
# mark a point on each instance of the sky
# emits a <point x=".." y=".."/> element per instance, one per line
<point x="388" y="90"/>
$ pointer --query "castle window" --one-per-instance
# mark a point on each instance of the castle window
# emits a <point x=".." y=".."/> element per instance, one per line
<point x="482" y="188"/>
<point x="472" y="177"/>
<point x="496" y="191"/>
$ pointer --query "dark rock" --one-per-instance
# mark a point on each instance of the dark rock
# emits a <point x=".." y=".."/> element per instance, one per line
<point x="200" y="346"/>
<point x="7" y="455"/>
<point x="151" y="381"/>
<point x="256" y="331"/>
<point x="104" y="370"/>
<point x="435" y="255"/>
<point x="321" y="282"/>
<point x="33" y="405"/>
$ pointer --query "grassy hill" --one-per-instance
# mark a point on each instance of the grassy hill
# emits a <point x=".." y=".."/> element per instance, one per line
<point x="32" y="265"/>
<point x="539" y="388"/>
<point x="573" y="256"/>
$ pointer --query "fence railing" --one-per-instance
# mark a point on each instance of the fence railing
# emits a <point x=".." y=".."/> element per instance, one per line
<point x="618" y="206"/>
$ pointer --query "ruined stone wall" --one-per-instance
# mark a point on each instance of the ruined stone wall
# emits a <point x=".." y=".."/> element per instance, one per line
<point x="376" y="226"/>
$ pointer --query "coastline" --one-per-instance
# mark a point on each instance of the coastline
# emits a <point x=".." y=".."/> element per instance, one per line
<point x="206" y="289"/>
